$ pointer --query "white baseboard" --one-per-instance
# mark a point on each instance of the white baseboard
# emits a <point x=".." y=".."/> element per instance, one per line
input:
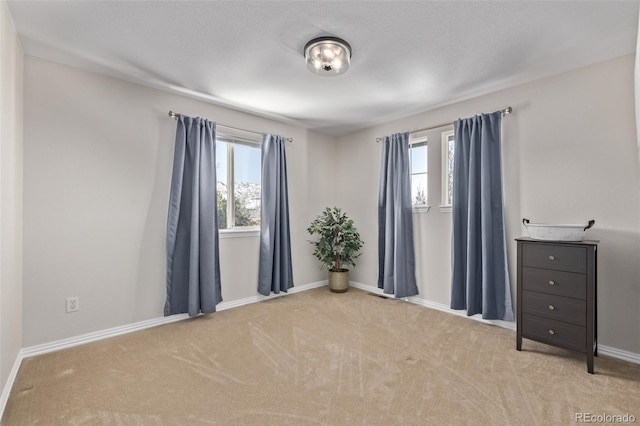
<point x="154" y="322"/>
<point x="125" y="329"/>
<point x="619" y="354"/>
<point x="6" y="390"/>
<point x="434" y="305"/>
<point x="602" y="350"/>
<point x="98" y="335"/>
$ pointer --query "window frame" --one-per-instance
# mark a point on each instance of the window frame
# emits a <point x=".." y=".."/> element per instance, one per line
<point x="232" y="138"/>
<point x="445" y="205"/>
<point x="419" y="139"/>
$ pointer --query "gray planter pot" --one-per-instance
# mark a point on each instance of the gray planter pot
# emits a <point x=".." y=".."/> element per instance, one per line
<point x="339" y="281"/>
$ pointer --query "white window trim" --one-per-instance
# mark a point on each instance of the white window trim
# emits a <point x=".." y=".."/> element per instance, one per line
<point x="239" y="232"/>
<point x="232" y="137"/>
<point x="444" y="206"/>
<point x="424" y="208"/>
<point x="417" y="139"/>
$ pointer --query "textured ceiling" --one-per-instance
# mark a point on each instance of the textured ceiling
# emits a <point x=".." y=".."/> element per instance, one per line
<point x="408" y="56"/>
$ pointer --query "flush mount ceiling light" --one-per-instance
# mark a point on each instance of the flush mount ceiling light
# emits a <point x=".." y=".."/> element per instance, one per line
<point x="327" y="56"/>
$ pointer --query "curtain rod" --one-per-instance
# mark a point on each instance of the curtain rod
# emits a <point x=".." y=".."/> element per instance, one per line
<point x="175" y="115"/>
<point x="508" y="110"/>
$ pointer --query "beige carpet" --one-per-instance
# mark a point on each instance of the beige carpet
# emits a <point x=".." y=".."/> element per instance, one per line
<point x="320" y="358"/>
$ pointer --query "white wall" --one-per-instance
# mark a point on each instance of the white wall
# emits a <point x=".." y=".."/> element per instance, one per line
<point x="569" y="156"/>
<point x="97" y="168"/>
<point x="10" y="194"/>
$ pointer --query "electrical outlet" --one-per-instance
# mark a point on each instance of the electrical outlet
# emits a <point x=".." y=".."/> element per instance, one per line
<point x="73" y="304"/>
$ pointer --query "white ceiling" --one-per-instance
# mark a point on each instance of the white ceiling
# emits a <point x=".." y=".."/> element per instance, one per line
<point x="408" y="56"/>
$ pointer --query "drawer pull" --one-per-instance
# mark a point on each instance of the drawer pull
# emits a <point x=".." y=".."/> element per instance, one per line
<point x="552" y="282"/>
<point x="552" y="331"/>
<point x="552" y="308"/>
<point x="552" y="257"/>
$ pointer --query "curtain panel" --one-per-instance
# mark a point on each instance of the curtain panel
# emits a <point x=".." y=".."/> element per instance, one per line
<point x="275" y="271"/>
<point x="193" y="264"/>
<point x="396" y="258"/>
<point x="480" y="278"/>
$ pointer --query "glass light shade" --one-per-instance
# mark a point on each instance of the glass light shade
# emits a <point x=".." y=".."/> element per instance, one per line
<point x="327" y="56"/>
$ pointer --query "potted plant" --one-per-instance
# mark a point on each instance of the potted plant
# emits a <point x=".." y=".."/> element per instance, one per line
<point x="338" y="246"/>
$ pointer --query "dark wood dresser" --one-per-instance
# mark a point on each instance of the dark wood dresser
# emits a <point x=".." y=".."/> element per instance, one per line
<point x="557" y="283"/>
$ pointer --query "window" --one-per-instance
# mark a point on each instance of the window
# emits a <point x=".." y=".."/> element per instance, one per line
<point x="448" y="146"/>
<point x="418" y="157"/>
<point x="238" y="182"/>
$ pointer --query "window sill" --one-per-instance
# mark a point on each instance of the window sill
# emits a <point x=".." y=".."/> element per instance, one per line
<point x="239" y="233"/>
<point x="445" y="209"/>
<point x="420" y="209"/>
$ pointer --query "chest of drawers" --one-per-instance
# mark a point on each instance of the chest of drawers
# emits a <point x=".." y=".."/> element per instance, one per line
<point x="556" y="299"/>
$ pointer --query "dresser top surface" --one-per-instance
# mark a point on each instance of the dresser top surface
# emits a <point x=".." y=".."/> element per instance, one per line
<point x="583" y="242"/>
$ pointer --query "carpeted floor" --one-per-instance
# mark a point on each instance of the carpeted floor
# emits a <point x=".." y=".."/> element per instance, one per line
<point x="320" y="358"/>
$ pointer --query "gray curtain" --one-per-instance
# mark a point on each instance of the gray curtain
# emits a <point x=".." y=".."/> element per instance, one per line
<point x="396" y="258"/>
<point x="480" y="279"/>
<point x="275" y="272"/>
<point x="193" y="265"/>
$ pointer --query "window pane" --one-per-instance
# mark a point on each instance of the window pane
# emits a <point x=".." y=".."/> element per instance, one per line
<point x="418" y="154"/>
<point x="419" y="159"/>
<point x="419" y="189"/>
<point x="246" y="182"/>
<point x="450" y="150"/>
<point x="221" y="183"/>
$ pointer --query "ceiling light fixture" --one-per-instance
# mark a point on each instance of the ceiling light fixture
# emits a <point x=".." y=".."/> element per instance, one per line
<point x="327" y="56"/>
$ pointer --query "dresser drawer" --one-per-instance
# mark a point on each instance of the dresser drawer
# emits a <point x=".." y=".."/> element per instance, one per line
<point x="561" y="308"/>
<point x="549" y="281"/>
<point x="555" y="332"/>
<point x="555" y="256"/>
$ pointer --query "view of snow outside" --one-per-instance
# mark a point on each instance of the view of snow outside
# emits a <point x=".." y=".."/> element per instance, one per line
<point x="246" y="184"/>
<point x="419" y="175"/>
<point x="449" y="171"/>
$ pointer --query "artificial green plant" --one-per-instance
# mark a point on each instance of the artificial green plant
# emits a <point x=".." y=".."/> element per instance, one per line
<point x="339" y="243"/>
